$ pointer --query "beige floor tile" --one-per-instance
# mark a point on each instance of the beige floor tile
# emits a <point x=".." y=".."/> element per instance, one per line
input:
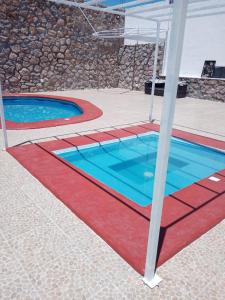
<point x="18" y="216"/>
<point x="14" y="281"/>
<point x="70" y="276"/>
<point x="39" y="247"/>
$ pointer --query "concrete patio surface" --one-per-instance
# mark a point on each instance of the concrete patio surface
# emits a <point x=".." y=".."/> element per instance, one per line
<point x="46" y="252"/>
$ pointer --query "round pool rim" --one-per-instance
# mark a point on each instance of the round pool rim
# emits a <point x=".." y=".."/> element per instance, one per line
<point x="89" y="112"/>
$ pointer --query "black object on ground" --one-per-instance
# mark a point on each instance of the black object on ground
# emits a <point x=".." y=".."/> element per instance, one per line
<point x="160" y="86"/>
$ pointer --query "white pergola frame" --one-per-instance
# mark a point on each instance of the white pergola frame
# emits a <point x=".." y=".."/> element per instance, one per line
<point x="139" y="34"/>
<point x="159" y="12"/>
<point x="196" y="8"/>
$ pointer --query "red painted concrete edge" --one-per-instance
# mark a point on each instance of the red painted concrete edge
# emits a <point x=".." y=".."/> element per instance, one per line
<point x="90" y="112"/>
<point x="173" y="241"/>
<point x="214" y="214"/>
<point x="146" y="210"/>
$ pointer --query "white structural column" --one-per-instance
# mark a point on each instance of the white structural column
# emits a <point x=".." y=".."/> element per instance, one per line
<point x="5" y="139"/>
<point x="154" y="71"/>
<point x="173" y="67"/>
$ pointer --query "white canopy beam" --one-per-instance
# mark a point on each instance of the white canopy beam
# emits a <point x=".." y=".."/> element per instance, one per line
<point x="148" y="8"/>
<point x="192" y="10"/>
<point x="160" y="6"/>
<point x="128" y="4"/>
<point x="173" y="67"/>
<point x="163" y="7"/>
<point x="84" y="5"/>
<point x="97" y="8"/>
<point x="95" y="2"/>
<point x="192" y="16"/>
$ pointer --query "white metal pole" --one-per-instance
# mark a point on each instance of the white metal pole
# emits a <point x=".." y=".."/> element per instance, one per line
<point x="165" y="53"/>
<point x="173" y="67"/>
<point x="154" y="71"/>
<point x="5" y="139"/>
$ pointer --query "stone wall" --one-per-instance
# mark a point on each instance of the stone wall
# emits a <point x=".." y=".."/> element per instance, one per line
<point x="136" y="65"/>
<point x="44" y="47"/>
<point x="205" y="88"/>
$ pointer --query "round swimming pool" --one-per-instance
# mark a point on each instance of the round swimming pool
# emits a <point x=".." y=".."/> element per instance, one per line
<point x="33" y="109"/>
<point x="37" y="111"/>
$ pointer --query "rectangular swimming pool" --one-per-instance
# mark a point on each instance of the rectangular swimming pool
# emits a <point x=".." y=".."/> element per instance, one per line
<point x="128" y="165"/>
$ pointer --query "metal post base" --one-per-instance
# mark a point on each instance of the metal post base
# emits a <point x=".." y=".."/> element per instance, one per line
<point x="154" y="282"/>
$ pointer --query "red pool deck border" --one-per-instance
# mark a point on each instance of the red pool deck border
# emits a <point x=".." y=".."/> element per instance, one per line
<point x="90" y="112"/>
<point x="187" y="214"/>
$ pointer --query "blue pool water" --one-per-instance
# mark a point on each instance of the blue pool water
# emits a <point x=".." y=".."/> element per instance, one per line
<point x="128" y="166"/>
<point x="33" y="109"/>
